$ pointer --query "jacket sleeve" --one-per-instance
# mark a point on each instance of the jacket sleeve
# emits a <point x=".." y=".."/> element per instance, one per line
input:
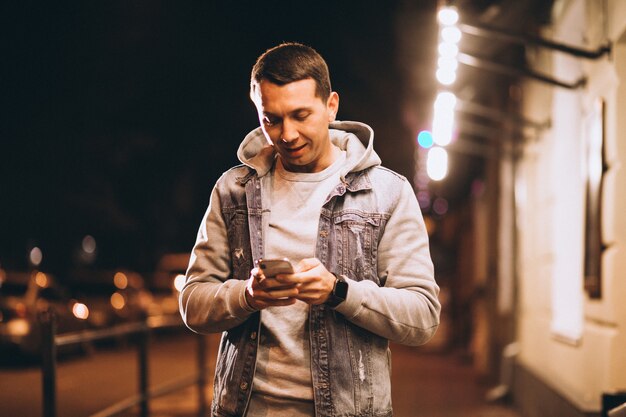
<point x="406" y="309"/>
<point x="210" y="302"/>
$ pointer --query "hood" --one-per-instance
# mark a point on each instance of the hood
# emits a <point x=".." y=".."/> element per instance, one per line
<point x="356" y="138"/>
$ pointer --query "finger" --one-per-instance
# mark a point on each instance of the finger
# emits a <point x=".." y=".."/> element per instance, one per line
<point x="271" y="284"/>
<point x="307" y="264"/>
<point x="283" y="293"/>
<point x="264" y="294"/>
<point x="290" y="279"/>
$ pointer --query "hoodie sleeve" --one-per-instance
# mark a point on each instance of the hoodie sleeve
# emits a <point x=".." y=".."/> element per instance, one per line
<point x="210" y="302"/>
<point x="406" y="309"/>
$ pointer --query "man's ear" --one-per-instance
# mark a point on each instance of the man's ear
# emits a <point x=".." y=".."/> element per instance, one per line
<point x="332" y="105"/>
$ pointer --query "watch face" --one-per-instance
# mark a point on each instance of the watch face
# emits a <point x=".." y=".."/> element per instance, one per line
<point x="339" y="293"/>
<point x="341" y="290"/>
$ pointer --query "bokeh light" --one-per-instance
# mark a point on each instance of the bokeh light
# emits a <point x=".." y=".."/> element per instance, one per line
<point x="41" y="279"/>
<point x="120" y="280"/>
<point x="448" y="50"/>
<point x="447" y="63"/>
<point x="425" y="139"/>
<point x="445" y="101"/>
<point x="80" y="311"/>
<point x="437" y="163"/>
<point x="117" y="301"/>
<point x="89" y="244"/>
<point x="179" y="282"/>
<point x="36" y="256"/>
<point x="448" y="16"/>
<point x="446" y="76"/>
<point x="451" y="34"/>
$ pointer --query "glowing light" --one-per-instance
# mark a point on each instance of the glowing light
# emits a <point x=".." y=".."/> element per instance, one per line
<point x="446" y="77"/>
<point x="445" y="100"/>
<point x="89" y="244"/>
<point x="18" y="327"/>
<point x="448" y="50"/>
<point x="437" y="163"/>
<point x="451" y="34"/>
<point x="120" y="280"/>
<point x="117" y="301"/>
<point x="443" y="121"/>
<point x="35" y="256"/>
<point x="447" y="63"/>
<point x="41" y="279"/>
<point x="448" y="16"/>
<point x="425" y="139"/>
<point x="442" y="129"/>
<point x="80" y="311"/>
<point x="179" y="282"/>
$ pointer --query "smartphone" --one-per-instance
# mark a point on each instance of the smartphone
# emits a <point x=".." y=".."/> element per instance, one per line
<point x="273" y="267"/>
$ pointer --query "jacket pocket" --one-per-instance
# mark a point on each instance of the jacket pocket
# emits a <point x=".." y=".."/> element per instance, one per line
<point x="357" y="241"/>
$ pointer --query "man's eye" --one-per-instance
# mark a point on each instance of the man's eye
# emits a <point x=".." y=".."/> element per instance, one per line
<point x="301" y="116"/>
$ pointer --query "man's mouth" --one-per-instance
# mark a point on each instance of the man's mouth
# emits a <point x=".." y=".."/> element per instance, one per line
<point x="294" y="150"/>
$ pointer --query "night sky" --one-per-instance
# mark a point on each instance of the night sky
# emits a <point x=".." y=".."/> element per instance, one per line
<point x="118" y="116"/>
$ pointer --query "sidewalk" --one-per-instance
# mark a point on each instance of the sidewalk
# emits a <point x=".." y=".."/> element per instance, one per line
<point x="424" y="384"/>
<point x="439" y="385"/>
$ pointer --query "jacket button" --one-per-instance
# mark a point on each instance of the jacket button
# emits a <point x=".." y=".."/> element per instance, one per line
<point x="243" y="386"/>
<point x="253" y="335"/>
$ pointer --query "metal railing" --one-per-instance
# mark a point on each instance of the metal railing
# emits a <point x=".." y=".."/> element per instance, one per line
<point x="51" y="341"/>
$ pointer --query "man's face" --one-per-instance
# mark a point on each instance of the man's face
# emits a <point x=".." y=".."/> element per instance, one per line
<point x="295" y="121"/>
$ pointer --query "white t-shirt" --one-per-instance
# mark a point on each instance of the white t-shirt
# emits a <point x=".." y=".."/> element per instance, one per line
<point x="282" y="384"/>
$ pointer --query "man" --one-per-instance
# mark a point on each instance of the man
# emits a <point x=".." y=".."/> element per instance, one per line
<point x="311" y="189"/>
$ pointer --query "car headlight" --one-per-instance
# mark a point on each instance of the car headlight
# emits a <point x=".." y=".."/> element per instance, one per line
<point x="80" y="311"/>
<point x="18" y="327"/>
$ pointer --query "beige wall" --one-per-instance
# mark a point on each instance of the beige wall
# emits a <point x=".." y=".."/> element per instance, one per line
<point x="588" y="358"/>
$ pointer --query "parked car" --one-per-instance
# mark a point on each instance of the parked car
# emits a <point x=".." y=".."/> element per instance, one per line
<point x="23" y="295"/>
<point x="113" y="297"/>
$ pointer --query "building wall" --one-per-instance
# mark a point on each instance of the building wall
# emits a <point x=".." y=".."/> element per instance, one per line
<point x="573" y="344"/>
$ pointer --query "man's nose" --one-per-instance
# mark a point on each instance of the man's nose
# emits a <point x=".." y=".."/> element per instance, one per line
<point x="289" y="133"/>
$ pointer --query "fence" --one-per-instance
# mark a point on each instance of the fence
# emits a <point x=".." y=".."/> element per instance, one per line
<point x="51" y="341"/>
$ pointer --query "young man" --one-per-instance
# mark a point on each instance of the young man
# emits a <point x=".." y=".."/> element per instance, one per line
<point x="311" y="189"/>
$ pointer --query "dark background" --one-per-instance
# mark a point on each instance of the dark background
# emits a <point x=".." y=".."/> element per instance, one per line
<point x="118" y="116"/>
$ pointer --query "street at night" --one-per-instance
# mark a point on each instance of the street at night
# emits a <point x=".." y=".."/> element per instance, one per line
<point x="446" y="176"/>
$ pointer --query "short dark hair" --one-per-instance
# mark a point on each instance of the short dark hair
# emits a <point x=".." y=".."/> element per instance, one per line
<point x="289" y="62"/>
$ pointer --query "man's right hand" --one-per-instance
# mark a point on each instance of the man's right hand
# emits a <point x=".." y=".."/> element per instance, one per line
<point x="263" y="292"/>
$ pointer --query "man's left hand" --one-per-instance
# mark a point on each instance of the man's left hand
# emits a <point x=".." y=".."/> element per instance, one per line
<point x="314" y="281"/>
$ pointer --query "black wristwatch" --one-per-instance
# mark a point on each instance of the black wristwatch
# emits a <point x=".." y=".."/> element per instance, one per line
<point x="339" y="292"/>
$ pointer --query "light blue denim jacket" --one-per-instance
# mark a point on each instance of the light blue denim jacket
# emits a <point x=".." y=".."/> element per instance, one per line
<point x="370" y="231"/>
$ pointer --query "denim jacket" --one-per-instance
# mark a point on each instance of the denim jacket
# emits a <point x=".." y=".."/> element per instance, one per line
<point x="370" y="231"/>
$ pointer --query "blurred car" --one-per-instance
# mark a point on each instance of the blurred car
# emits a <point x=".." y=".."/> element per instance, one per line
<point x="166" y="283"/>
<point x="23" y="295"/>
<point x="113" y="297"/>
